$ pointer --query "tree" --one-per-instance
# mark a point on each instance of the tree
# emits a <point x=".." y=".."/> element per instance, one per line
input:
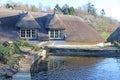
<point x="9" y="6"/>
<point x="57" y="7"/>
<point x="34" y="8"/>
<point x="68" y="11"/>
<point x="65" y="9"/>
<point x="71" y="10"/>
<point x="91" y="9"/>
<point x="102" y="12"/>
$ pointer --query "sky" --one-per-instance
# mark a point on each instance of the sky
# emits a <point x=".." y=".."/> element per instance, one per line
<point x="111" y="7"/>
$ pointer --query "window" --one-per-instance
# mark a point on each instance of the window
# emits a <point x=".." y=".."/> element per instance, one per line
<point x="56" y="34"/>
<point x="28" y="33"/>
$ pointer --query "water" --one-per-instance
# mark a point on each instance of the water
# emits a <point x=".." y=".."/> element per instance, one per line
<point x="81" y="68"/>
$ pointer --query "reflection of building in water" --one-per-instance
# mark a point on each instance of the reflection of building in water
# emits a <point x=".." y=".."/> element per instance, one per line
<point x="55" y="63"/>
<point x="70" y="68"/>
<point x="81" y="61"/>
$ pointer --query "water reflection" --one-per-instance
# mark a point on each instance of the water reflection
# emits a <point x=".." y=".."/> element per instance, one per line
<point x="81" y="68"/>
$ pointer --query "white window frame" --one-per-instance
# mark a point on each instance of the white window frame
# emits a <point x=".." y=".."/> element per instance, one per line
<point x="60" y="34"/>
<point x="31" y="34"/>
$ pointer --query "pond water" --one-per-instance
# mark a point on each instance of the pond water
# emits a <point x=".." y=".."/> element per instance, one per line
<point x="81" y="68"/>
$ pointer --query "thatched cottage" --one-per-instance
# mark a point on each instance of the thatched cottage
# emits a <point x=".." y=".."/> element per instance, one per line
<point x="44" y="27"/>
<point x="115" y="36"/>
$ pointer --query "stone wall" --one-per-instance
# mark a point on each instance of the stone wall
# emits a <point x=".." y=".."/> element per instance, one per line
<point x="84" y="52"/>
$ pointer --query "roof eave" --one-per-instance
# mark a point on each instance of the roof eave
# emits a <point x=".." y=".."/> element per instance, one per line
<point x="28" y="27"/>
<point x="56" y="28"/>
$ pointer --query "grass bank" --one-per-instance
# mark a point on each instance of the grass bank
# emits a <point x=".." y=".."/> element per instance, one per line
<point x="105" y="35"/>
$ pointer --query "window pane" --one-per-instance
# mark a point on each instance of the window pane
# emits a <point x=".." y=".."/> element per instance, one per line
<point x="22" y="33"/>
<point x="33" y="33"/>
<point x="56" y="33"/>
<point x="52" y="33"/>
<point x="28" y="33"/>
<point x="62" y="33"/>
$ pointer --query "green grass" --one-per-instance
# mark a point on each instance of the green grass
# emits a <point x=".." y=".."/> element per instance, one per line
<point x="105" y="35"/>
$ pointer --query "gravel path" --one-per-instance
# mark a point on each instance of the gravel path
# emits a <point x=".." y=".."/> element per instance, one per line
<point x="24" y="73"/>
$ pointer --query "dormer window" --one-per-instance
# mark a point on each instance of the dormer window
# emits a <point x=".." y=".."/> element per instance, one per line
<point x="28" y="33"/>
<point x="56" y="34"/>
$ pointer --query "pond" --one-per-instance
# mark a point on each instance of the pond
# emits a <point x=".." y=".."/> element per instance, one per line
<point x="81" y="68"/>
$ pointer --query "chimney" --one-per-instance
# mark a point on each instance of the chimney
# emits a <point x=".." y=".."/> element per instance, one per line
<point x="54" y="11"/>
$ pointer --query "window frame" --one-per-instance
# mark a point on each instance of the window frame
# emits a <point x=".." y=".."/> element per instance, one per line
<point x="57" y="34"/>
<point x="28" y="33"/>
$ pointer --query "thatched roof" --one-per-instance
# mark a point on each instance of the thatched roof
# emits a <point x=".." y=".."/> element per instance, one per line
<point x="115" y="36"/>
<point x="42" y="19"/>
<point x="76" y="29"/>
<point x="27" y="21"/>
<point x="8" y="19"/>
<point x="56" y="23"/>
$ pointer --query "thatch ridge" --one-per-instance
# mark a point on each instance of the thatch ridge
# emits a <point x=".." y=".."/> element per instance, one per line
<point x="56" y="23"/>
<point x="27" y="21"/>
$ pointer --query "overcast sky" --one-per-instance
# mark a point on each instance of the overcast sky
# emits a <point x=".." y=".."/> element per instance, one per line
<point x="111" y="7"/>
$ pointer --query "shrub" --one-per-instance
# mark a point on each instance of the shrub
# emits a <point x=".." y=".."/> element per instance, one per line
<point x="23" y="43"/>
<point x="17" y="48"/>
<point x="105" y="35"/>
<point x="34" y="47"/>
<point x="10" y="60"/>
<point x="13" y="48"/>
<point x="9" y="50"/>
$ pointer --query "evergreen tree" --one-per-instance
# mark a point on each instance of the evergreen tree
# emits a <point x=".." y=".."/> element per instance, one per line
<point x="68" y="11"/>
<point x="91" y="9"/>
<point x="71" y="10"/>
<point x="57" y="7"/>
<point x="9" y="6"/>
<point x="102" y="12"/>
<point x="65" y="9"/>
